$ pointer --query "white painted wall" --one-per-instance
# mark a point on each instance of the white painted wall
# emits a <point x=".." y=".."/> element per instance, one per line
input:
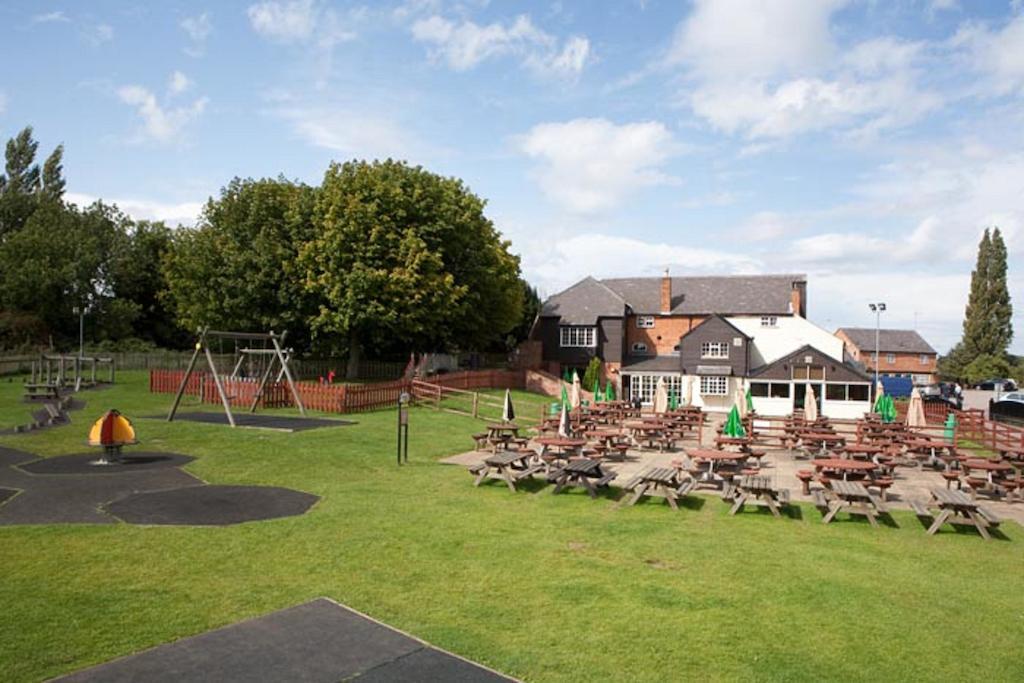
<point x="717" y="404"/>
<point x="774" y="407"/>
<point x="791" y="333"/>
<point x="849" y="410"/>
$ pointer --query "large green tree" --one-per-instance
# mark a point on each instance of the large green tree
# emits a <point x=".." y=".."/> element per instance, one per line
<point x="237" y="268"/>
<point x="23" y="185"/>
<point x="402" y="257"/>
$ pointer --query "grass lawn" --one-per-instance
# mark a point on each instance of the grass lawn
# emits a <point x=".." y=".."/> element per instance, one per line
<point x="543" y="587"/>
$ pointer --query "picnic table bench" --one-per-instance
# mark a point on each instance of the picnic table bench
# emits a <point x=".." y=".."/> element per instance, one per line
<point x="659" y="481"/>
<point x="583" y="473"/>
<point x="509" y="466"/>
<point x="957" y="508"/>
<point x="855" y="499"/>
<point x="760" y="488"/>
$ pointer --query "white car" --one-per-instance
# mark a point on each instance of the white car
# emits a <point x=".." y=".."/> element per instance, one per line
<point x="1017" y="396"/>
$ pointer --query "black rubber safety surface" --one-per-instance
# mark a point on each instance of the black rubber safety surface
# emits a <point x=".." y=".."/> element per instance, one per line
<point x="211" y="505"/>
<point x="6" y="493"/>
<point x="85" y="463"/>
<point x="317" y="641"/>
<point x="258" y="421"/>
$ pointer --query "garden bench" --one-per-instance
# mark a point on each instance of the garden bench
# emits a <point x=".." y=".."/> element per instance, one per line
<point x="658" y="481"/>
<point x="584" y="473"/>
<point x="957" y="508"/>
<point x="760" y="489"/>
<point x="509" y="466"/>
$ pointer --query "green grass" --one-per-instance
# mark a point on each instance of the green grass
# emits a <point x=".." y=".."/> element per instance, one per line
<point x="552" y="588"/>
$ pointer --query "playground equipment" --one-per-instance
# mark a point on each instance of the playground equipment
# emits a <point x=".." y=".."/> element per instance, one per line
<point x="111" y="432"/>
<point x="53" y="372"/>
<point x="264" y="352"/>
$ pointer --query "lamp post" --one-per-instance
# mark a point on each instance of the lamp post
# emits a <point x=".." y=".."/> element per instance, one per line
<point x="877" y="307"/>
<point x="80" y="312"/>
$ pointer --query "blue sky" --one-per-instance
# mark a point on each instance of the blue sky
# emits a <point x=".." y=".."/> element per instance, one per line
<point x="866" y="144"/>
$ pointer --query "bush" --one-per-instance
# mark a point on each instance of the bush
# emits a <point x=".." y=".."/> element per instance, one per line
<point x="592" y="374"/>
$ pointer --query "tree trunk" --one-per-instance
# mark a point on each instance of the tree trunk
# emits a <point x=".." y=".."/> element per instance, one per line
<point x="355" y="353"/>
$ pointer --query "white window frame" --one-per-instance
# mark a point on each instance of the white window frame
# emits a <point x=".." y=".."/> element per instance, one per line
<point x="769" y="321"/>
<point x="639" y="347"/>
<point x="642" y="385"/>
<point x="714" y="385"/>
<point x="714" y="349"/>
<point x="890" y="358"/>
<point x="924" y="359"/>
<point x="577" y="336"/>
<point x="645" y="322"/>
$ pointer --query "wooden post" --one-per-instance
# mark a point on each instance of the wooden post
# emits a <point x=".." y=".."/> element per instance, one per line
<point x="287" y="372"/>
<point x="220" y="386"/>
<point x="476" y="404"/>
<point x="184" y="379"/>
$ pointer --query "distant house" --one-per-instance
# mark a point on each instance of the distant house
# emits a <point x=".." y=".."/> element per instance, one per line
<point x="717" y="334"/>
<point x="901" y="353"/>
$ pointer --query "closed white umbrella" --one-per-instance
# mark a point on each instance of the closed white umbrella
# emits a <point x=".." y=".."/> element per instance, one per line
<point x="660" y="396"/>
<point x="508" y="413"/>
<point x="741" y="399"/>
<point x="915" y="411"/>
<point x="574" y="395"/>
<point x="698" y="399"/>
<point x="688" y="395"/>
<point x="810" y="405"/>
<point x="564" y="428"/>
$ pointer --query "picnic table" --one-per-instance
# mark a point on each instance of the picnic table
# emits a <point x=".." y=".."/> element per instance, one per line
<point x="714" y="458"/>
<point x="510" y="466"/>
<point x="956" y="508"/>
<point x="821" y="440"/>
<point x="583" y="473"/>
<point x="842" y="467"/>
<point x="659" y="481"/>
<point x="500" y="434"/>
<point x="560" y="446"/>
<point x="760" y="488"/>
<point x="742" y="442"/>
<point x="855" y="499"/>
<point x="867" y="451"/>
<point x="925" y="446"/>
<point x="994" y="472"/>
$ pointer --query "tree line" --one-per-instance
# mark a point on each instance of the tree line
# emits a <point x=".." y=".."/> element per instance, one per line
<point x="379" y="259"/>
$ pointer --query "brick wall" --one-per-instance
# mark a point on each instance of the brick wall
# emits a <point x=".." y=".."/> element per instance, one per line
<point x="663" y="337"/>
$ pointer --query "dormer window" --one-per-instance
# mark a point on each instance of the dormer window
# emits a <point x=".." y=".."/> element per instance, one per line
<point x="714" y="350"/>
<point x="769" y="321"/>
<point x="645" y="322"/>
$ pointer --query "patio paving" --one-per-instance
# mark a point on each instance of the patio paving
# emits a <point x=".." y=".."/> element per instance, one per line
<point x="782" y="465"/>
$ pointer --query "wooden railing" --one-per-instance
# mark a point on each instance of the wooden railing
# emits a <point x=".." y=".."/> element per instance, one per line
<point x="972" y="425"/>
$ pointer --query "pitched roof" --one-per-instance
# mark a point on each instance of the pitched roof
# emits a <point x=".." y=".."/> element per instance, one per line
<point x="890" y="341"/>
<point x="584" y="303"/>
<point x="852" y="368"/>
<point x="590" y="299"/>
<point x="666" y="363"/>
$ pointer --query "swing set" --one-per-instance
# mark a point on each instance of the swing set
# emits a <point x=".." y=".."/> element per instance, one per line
<point x="257" y="354"/>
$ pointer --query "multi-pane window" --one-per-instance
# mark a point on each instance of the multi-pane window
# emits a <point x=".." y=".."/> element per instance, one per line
<point x="808" y="372"/>
<point x="769" y="389"/>
<point x="578" y="336"/>
<point x="890" y="358"/>
<point x="714" y="350"/>
<point x="846" y="392"/>
<point x="643" y="386"/>
<point x="645" y="321"/>
<point x="924" y="359"/>
<point x="769" y="321"/>
<point x="711" y="385"/>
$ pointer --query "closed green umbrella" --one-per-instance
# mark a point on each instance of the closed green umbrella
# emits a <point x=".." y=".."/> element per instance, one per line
<point x="889" y="409"/>
<point x="734" y="425"/>
<point x="597" y="390"/>
<point x="750" y="401"/>
<point x="609" y="391"/>
<point x="673" y="400"/>
<point x="565" y="396"/>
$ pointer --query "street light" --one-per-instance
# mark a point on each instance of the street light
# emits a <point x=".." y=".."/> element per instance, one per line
<point x="877" y="308"/>
<point x="80" y="312"/>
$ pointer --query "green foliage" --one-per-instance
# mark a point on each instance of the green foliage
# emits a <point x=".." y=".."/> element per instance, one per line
<point x="531" y="309"/>
<point x="405" y="258"/>
<point x="19" y="183"/>
<point x="53" y="176"/>
<point x="237" y="268"/>
<point x="986" y="366"/>
<point x="592" y="373"/>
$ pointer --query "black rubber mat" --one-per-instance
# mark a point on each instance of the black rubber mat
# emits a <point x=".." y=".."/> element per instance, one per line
<point x="85" y="463"/>
<point x="211" y="505"/>
<point x="5" y="494"/>
<point x="318" y="641"/>
<point x="258" y="421"/>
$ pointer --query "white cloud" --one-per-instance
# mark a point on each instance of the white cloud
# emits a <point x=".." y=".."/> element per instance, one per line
<point x="283" y="21"/>
<point x="98" y="34"/>
<point x="565" y="261"/>
<point x="198" y="29"/>
<point x="179" y="83"/>
<point x="50" y="18"/>
<point x="184" y="213"/>
<point x="351" y="133"/>
<point x="590" y="165"/>
<point x="464" y="45"/>
<point x="160" y="123"/>
<point x="996" y="54"/>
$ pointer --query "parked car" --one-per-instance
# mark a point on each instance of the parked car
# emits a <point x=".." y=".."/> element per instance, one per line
<point x="944" y="389"/>
<point x="1014" y="396"/>
<point x="997" y="385"/>
<point x="1008" y="409"/>
<point x="945" y="400"/>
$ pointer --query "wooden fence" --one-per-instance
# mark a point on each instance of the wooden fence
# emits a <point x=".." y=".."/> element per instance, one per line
<point x="972" y="425"/>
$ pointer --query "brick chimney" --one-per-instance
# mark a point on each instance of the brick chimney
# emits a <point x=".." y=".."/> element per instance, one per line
<point x="666" y="293"/>
<point x="796" y="300"/>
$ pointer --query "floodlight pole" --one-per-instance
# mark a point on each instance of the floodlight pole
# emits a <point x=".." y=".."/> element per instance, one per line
<point x="877" y="308"/>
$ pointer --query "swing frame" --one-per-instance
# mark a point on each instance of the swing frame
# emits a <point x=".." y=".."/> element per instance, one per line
<point x="277" y="354"/>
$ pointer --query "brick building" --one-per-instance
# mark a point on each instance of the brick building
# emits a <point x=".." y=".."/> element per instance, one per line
<point x="901" y="353"/>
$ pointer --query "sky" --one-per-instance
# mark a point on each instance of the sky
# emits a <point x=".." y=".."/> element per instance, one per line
<point x="865" y="143"/>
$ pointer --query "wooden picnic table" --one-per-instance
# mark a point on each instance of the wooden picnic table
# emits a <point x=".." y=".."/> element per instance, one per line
<point x="855" y="499"/>
<point x="714" y="458"/>
<point x="742" y="442"/>
<point x="666" y="482"/>
<point x="994" y="473"/>
<point x="583" y="473"/>
<point x="760" y="488"/>
<point x="956" y="508"/>
<point x="559" y="446"/>
<point x="867" y="450"/>
<point x="510" y="466"/>
<point x="843" y="466"/>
